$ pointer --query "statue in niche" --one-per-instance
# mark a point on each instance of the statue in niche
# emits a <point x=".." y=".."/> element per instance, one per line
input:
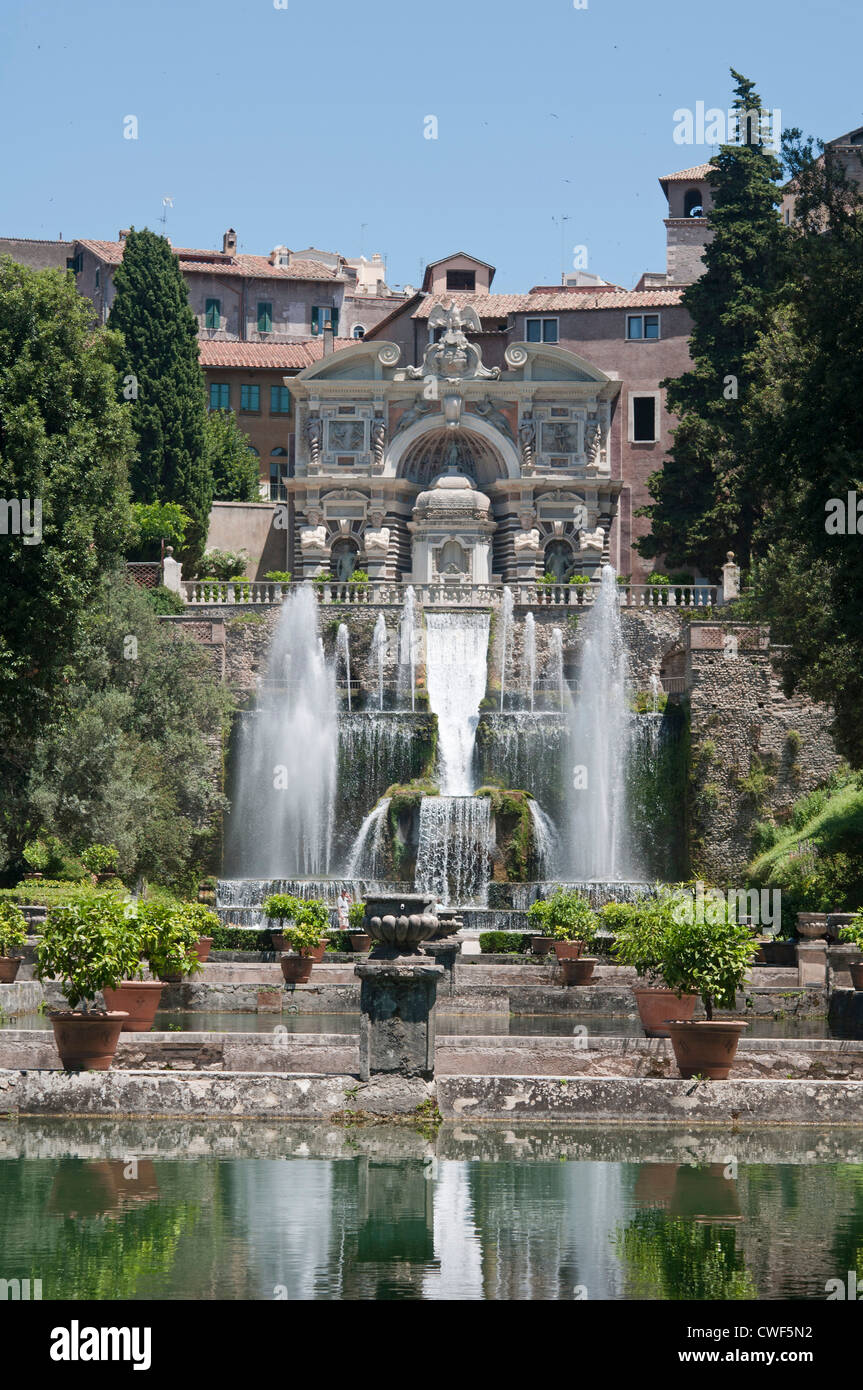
<point x="487" y="410"/>
<point x="379" y="441"/>
<point x="418" y="410"/>
<point x="314" y="438"/>
<point x="453" y="358"/>
<point x="527" y="438"/>
<point x="594" y="446"/>
<point x="343" y="561"/>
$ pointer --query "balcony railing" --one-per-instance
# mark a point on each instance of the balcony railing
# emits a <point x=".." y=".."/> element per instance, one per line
<point x="390" y="593"/>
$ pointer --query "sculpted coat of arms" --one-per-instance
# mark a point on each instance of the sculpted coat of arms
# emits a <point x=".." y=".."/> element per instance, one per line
<point x="453" y="358"/>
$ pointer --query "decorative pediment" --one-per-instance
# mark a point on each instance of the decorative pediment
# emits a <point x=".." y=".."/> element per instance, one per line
<point x="542" y="362"/>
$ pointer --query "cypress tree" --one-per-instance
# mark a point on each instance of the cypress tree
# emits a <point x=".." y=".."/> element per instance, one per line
<point x="151" y="310"/>
<point x="705" y="503"/>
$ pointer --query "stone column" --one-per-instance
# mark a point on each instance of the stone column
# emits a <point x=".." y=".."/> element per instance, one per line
<point x="397" y="1026"/>
<point x="444" y="953"/>
<point x="730" y="579"/>
<point x="172" y="571"/>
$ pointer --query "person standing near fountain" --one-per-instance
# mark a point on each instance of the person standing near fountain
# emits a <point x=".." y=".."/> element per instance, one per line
<point x="343" y="904"/>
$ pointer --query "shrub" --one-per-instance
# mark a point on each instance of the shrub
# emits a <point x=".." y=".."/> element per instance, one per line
<point x="640" y="930"/>
<point x="154" y="522"/>
<point x="565" y="917"/>
<point x="278" y="576"/>
<point x="853" y="933"/>
<point x="222" y="564"/>
<point x="89" y="947"/>
<point x="359" y="577"/>
<point x="357" y="916"/>
<point x="501" y="942"/>
<point x="99" y="859"/>
<point x="198" y="918"/>
<point x="310" y="919"/>
<point x="709" y="957"/>
<point x="13" y="928"/>
<point x="579" y="579"/>
<point x="167" y="937"/>
<point x="47" y="855"/>
<point x="164" y="602"/>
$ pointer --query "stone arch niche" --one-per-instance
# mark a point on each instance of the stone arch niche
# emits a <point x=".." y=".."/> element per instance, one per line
<point x="428" y="447"/>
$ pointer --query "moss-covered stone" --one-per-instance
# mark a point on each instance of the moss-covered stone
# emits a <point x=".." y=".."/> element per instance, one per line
<point x="514" y="854"/>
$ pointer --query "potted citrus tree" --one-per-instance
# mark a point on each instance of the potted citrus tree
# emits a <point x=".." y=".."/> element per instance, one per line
<point x="707" y="954"/>
<point x="638" y="930"/>
<point x="203" y="920"/>
<point x="852" y="933"/>
<point x="309" y="919"/>
<point x="100" y="861"/>
<point x="13" y="932"/>
<point x="88" y="947"/>
<point x="569" y="923"/>
<point x="360" y="939"/>
<point x="169" y="940"/>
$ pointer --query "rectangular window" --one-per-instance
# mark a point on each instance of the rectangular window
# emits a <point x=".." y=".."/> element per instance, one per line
<point x="643" y="421"/>
<point x="280" y="400"/>
<point x="250" y="397"/>
<point x="98" y="277"/>
<point x="642" y="326"/>
<point x="464" y="280"/>
<point x="213" y="314"/>
<point x="540" y="331"/>
<point x="265" y="317"/>
<point x="220" y="395"/>
<point x="325" y="316"/>
<point x="278" y="491"/>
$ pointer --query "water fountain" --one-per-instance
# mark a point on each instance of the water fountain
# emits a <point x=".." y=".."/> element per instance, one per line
<point x="453" y="851"/>
<point x="530" y="658"/>
<point x="456" y="647"/>
<point x="557" y="665"/>
<point x="506" y="622"/>
<point x="366" y="854"/>
<point x="379" y="651"/>
<point x="281" y="822"/>
<point x="408" y="643"/>
<point x="343" y="650"/>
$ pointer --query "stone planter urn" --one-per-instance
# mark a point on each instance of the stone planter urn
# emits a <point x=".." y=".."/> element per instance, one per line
<point x="399" y="924"/>
<point x="398" y="988"/>
<point x="812" y="926"/>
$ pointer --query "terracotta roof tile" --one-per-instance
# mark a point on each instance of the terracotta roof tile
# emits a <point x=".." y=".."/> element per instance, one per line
<point x="216" y="263"/>
<point x="498" y="306"/>
<point x="297" y="354"/>
<point x="698" y="171"/>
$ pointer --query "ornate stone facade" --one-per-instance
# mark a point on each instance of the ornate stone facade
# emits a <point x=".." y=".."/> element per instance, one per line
<point x="450" y="468"/>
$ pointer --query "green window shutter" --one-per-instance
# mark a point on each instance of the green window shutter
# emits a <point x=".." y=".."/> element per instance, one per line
<point x="256" y="398"/>
<point x="335" y="318"/>
<point x="274" y="400"/>
<point x="225" y="396"/>
<point x="213" y="314"/>
<point x="316" y="328"/>
<point x="214" y="396"/>
<point x="265" y="317"/>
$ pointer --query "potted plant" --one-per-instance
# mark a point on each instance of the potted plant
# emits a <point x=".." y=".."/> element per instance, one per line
<point x="706" y="953"/>
<point x="138" y="998"/>
<point x="570" y="924"/>
<point x="88" y="947"/>
<point x="169" y="940"/>
<point x="360" y="939"/>
<point x="309" y="918"/>
<point x="853" y="934"/>
<point x="203" y="920"/>
<point x="100" y="861"/>
<point x="13" y="932"/>
<point x="638" y="931"/>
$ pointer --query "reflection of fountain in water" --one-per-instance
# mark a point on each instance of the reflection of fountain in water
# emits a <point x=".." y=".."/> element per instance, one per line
<point x="601" y="735"/>
<point x="379" y="651"/>
<point x="343" y="652"/>
<point x="453" y="850"/>
<point x="281" y="820"/>
<point x="408" y="642"/>
<point x="530" y="658"/>
<point x="506" y="621"/>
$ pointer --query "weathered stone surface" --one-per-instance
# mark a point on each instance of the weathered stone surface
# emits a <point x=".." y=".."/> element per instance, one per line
<point x="846" y="1013"/>
<point x="24" y="997"/>
<point x="397" y="1027"/>
<point x="173" y="1093"/>
<point x="275" y="1051"/>
<point x="645" y="1101"/>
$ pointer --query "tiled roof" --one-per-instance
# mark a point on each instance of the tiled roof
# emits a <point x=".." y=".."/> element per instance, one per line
<point x="297" y="354"/>
<point x="499" y="306"/>
<point x="698" y="171"/>
<point x="216" y="263"/>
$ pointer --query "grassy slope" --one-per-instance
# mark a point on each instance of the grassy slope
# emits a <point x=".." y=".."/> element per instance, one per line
<point x="837" y="827"/>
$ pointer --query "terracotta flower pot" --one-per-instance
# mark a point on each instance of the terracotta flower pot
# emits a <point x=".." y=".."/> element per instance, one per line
<point x="568" y="950"/>
<point x="317" y="952"/>
<point x="282" y="942"/>
<point x="87" y="1042"/>
<point x="705" y="1048"/>
<point x="657" y="1006"/>
<point x="296" y="969"/>
<point x="360" y="941"/>
<point x="856" y="974"/>
<point x="137" y="998"/>
<point x="541" y="945"/>
<point x="202" y="947"/>
<point x="578" y="970"/>
<point x="9" y="967"/>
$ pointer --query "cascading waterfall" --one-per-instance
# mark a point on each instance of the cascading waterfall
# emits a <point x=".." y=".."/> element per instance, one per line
<point x="453" y="850"/>
<point x="601" y="737"/>
<point x="530" y="658"/>
<point x="281" y="820"/>
<point x="546" y="841"/>
<point x="343" y="650"/>
<point x="379" y="651"/>
<point x="654" y="691"/>
<point x="366" y="856"/>
<point x="456" y="647"/>
<point x="525" y="750"/>
<point x="506" y="621"/>
<point x="408" y="642"/>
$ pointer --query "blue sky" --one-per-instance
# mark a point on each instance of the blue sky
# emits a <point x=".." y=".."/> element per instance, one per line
<point x="299" y="125"/>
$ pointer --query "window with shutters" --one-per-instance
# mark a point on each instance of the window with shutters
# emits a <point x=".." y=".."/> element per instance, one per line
<point x="213" y="314"/>
<point x="280" y="400"/>
<point x="265" y="317"/>
<point x="220" y="395"/>
<point x="325" y="316"/>
<point x="250" y="398"/>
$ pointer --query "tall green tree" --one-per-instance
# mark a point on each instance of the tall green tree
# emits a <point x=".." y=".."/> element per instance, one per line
<point x="704" y="502"/>
<point x="159" y="368"/>
<point x="65" y="448"/>
<point x="234" y="468"/>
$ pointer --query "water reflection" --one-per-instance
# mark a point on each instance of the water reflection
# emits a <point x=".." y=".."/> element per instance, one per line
<point x="138" y="1210"/>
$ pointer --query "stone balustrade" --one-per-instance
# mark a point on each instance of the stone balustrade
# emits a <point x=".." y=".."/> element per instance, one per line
<point x="389" y="593"/>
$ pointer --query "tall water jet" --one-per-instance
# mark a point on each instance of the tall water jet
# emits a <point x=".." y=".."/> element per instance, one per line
<point x="343" y="651"/>
<point x="530" y="658"/>
<point x="600" y="745"/>
<point x="456" y="647"/>
<point x="506" y="621"/>
<point x="654" y="691"/>
<point x="408" y="641"/>
<point x="557" y="665"/>
<point x="379" y="651"/>
<point x="281" y="820"/>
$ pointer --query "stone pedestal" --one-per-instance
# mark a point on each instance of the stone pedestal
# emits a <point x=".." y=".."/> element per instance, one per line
<point x="397" y="1031"/>
<point x="444" y="953"/>
<point x="812" y="963"/>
